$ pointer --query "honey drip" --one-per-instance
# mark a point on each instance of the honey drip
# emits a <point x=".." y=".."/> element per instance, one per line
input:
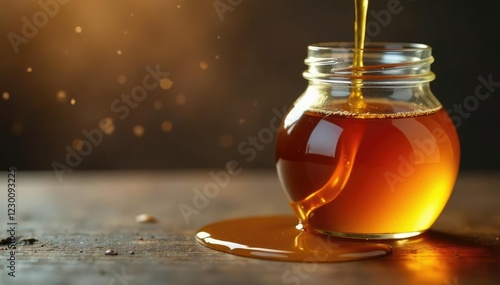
<point x="356" y="102"/>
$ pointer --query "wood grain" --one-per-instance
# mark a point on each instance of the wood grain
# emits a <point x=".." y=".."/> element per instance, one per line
<point x="77" y="220"/>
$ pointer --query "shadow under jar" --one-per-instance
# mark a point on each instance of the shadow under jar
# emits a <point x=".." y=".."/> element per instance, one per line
<point x="382" y="171"/>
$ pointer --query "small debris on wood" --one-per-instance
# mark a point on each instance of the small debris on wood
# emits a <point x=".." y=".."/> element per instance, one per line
<point x="5" y="241"/>
<point x="131" y="252"/>
<point x="140" y="238"/>
<point x="110" y="252"/>
<point x="29" y="240"/>
<point x="145" y="219"/>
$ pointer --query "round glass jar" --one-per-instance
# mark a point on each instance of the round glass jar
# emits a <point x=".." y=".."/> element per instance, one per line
<point x="378" y="170"/>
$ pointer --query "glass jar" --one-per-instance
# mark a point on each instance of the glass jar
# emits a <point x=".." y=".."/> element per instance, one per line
<point x="377" y="170"/>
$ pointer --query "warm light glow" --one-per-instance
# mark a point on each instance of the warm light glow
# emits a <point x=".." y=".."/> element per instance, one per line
<point x="226" y="140"/>
<point x="78" y="29"/>
<point x="61" y="96"/>
<point x="203" y="65"/>
<point x="119" y="52"/>
<point x="166" y="83"/>
<point x="166" y="126"/>
<point x="122" y="79"/>
<point x="72" y="101"/>
<point x="5" y="95"/>
<point x="180" y="99"/>
<point x="138" y="131"/>
<point x="17" y="129"/>
<point x="77" y="144"/>
<point x="107" y="126"/>
<point x="157" y="105"/>
<point x="29" y="69"/>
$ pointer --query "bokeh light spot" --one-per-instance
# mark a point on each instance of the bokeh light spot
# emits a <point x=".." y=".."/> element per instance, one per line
<point x="166" y="126"/>
<point x="122" y="79"/>
<point x="107" y="126"/>
<point x="17" y="129"/>
<point x="166" y="83"/>
<point x="5" y="95"/>
<point x="157" y="105"/>
<point x="78" y="29"/>
<point x="138" y="131"/>
<point x="203" y="65"/>
<point x="180" y="99"/>
<point x="61" y="96"/>
<point x="226" y="140"/>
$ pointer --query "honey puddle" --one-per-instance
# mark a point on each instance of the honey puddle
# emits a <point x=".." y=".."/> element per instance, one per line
<point x="279" y="238"/>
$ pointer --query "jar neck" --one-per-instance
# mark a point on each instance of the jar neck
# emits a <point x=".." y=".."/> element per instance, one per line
<point x="384" y="64"/>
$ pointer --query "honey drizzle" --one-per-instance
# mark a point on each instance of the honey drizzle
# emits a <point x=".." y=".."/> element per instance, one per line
<point x="356" y="102"/>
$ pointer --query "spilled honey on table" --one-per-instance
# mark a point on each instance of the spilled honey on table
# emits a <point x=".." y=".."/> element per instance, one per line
<point x="278" y="238"/>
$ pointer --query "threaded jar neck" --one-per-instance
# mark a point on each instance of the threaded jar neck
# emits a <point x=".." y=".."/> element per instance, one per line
<point x="384" y="64"/>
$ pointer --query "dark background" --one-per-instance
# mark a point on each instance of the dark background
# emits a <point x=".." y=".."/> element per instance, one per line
<point x="227" y="75"/>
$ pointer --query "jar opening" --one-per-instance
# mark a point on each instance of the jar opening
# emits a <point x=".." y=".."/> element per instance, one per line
<point x="383" y="63"/>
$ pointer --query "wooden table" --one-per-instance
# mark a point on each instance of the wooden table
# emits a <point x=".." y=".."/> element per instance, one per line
<point x="77" y="220"/>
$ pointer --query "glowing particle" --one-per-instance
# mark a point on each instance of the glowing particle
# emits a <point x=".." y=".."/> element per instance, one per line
<point x="166" y="126"/>
<point x="78" y="29"/>
<point x="218" y="37"/>
<point x="242" y="121"/>
<point x="226" y="140"/>
<point x="5" y="95"/>
<point x="107" y="126"/>
<point x="180" y="99"/>
<point x="255" y="103"/>
<point x="131" y="15"/>
<point x="138" y="131"/>
<point x="178" y="6"/>
<point x="29" y="69"/>
<point x="217" y="56"/>
<point x="17" y="129"/>
<point x="119" y="52"/>
<point x="122" y="79"/>
<point x="72" y="101"/>
<point x="203" y="65"/>
<point x="61" y="96"/>
<point x="166" y="83"/>
<point x="157" y="105"/>
<point x="77" y="144"/>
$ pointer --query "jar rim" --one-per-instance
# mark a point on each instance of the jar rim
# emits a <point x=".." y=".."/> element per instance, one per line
<point x="370" y="46"/>
<point x="384" y="63"/>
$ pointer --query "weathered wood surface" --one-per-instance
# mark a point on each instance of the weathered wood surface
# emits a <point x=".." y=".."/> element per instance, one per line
<point x="78" y="219"/>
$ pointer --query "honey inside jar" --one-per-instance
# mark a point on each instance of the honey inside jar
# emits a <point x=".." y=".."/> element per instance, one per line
<point x="378" y="176"/>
